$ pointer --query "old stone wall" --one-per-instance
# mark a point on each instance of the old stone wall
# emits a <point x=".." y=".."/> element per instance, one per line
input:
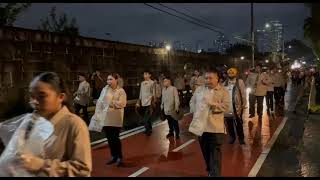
<point x="25" y="53"/>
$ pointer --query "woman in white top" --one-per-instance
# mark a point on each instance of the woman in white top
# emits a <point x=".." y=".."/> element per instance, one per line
<point x="111" y="105"/>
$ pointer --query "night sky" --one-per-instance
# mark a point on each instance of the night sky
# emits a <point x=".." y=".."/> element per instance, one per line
<point x="137" y="23"/>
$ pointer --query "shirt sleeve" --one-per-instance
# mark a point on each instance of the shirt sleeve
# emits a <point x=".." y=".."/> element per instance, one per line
<point x="193" y="101"/>
<point x="162" y="101"/>
<point x="243" y="93"/>
<point x="224" y="105"/>
<point x="176" y="99"/>
<point x="79" y="161"/>
<point x="122" y="101"/>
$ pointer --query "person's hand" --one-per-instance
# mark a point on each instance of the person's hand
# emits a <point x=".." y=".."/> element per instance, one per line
<point x="30" y="162"/>
<point x="138" y="104"/>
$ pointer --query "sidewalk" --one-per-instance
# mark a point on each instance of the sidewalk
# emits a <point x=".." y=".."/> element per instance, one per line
<point x="296" y="151"/>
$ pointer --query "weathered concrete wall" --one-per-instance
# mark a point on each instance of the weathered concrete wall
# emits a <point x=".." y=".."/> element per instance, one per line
<point x="26" y="53"/>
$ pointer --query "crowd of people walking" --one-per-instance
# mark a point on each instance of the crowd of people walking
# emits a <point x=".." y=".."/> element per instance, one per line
<point x="218" y="102"/>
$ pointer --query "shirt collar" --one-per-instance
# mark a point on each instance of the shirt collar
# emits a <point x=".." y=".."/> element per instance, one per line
<point x="218" y="87"/>
<point x="58" y="116"/>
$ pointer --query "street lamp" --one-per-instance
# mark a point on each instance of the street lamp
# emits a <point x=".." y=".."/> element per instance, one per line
<point x="168" y="48"/>
<point x="267" y="61"/>
<point x="267" y="25"/>
<point x="242" y="57"/>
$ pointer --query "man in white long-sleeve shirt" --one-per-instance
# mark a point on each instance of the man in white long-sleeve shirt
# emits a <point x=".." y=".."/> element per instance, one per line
<point x="257" y="81"/>
<point x="82" y="98"/>
<point x="146" y="100"/>
<point x="170" y="105"/>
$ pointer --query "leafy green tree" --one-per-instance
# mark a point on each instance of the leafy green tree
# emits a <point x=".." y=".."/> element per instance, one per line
<point x="59" y="24"/>
<point x="9" y="12"/>
<point x="312" y="28"/>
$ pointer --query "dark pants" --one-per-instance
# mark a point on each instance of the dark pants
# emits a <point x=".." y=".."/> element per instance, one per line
<point x="252" y="100"/>
<point x="232" y="123"/>
<point x="96" y="93"/>
<point x="180" y="93"/>
<point x="210" y="144"/>
<point x="173" y="125"/>
<point x="112" y="134"/>
<point x="78" y="107"/>
<point x="269" y="99"/>
<point x="147" y="115"/>
<point x="279" y="96"/>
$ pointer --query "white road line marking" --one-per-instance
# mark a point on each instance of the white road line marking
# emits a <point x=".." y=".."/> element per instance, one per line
<point x="256" y="167"/>
<point x="129" y="133"/>
<point x="183" y="145"/>
<point x="140" y="171"/>
<point x="104" y="141"/>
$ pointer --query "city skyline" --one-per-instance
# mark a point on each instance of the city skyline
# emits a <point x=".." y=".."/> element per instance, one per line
<point x="137" y="23"/>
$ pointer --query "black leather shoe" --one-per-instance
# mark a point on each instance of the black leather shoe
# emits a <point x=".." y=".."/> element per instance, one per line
<point x="112" y="161"/>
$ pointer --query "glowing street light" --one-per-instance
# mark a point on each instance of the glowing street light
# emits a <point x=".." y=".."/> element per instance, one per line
<point x="168" y="47"/>
<point x="290" y="47"/>
<point x="267" y="61"/>
<point x="303" y="62"/>
<point x="267" y="25"/>
<point x="242" y="57"/>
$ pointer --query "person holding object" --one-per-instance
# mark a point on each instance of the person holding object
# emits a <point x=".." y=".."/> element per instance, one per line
<point x="211" y="100"/>
<point x="109" y="112"/>
<point x="258" y="82"/>
<point x="238" y="103"/>
<point x="66" y="150"/>
<point x="82" y="97"/>
<point x="270" y="90"/>
<point x="147" y="100"/>
<point x="196" y="80"/>
<point x="170" y="105"/>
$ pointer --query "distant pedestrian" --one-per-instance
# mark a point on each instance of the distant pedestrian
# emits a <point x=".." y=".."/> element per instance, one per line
<point x="82" y="97"/>
<point x="170" y="105"/>
<point x="147" y="100"/>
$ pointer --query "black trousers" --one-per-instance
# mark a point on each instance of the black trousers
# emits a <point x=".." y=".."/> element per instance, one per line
<point x="232" y="123"/>
<point x="112" y="134"/>
<point x="252" y="101"/>
<point x="173" y="125"/>
<point x="147" y="116"/>
<point x="210" y="144"/>
<point x="78" y="107"/>
<point x="278" y="94"/>
<point x="269" y="99"/>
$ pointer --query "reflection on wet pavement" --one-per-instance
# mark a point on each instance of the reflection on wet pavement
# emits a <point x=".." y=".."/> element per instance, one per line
<point x="295" y="153"/>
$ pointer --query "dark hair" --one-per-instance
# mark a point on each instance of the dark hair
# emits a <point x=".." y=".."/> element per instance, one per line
<point x="57" y="84"/>
<point x="114" y="75"/>
<point x="167" y="77"/>
<point x="147" y="71"/>
<point x="259" y="64"/>
<point x="83" y="75"/>
<point x="214" y="71"/>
